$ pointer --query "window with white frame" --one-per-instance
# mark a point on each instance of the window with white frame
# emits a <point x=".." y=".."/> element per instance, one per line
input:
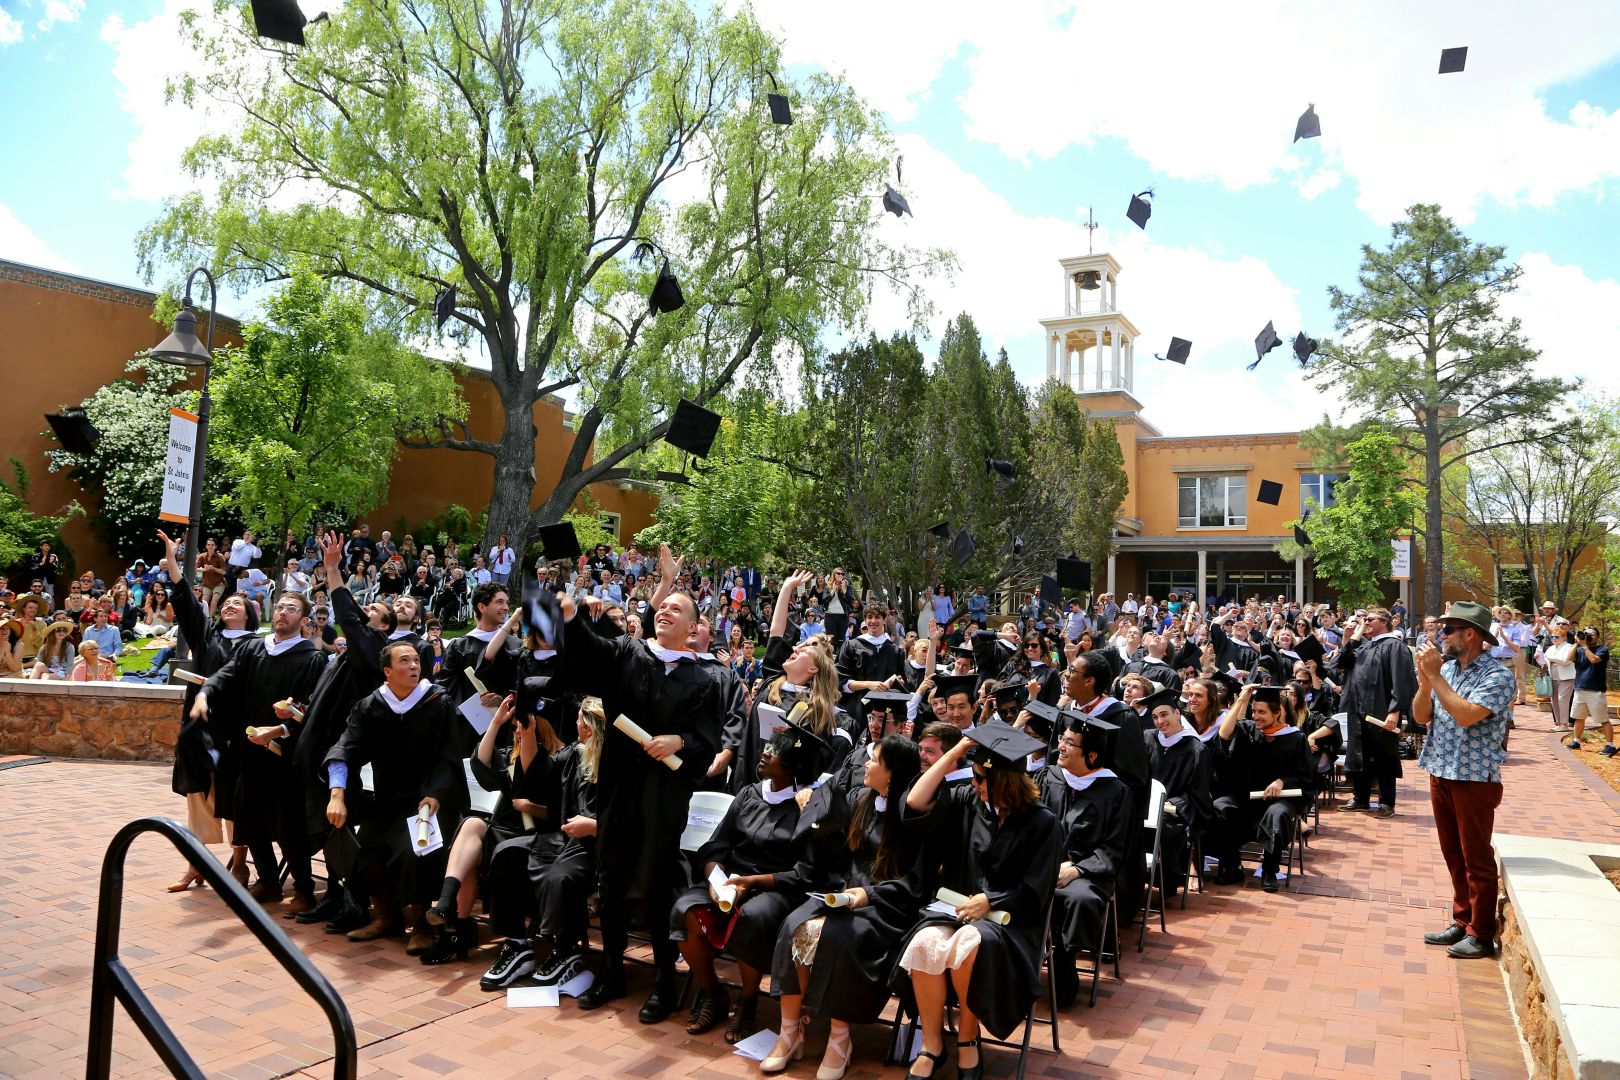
<point x="1209" y="502"/>
<point x="1317" y="487"/>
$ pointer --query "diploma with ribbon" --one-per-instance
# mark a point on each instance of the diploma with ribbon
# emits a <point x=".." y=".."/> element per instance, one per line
<point x="424" y="832"/>
<point x="638" y="733"/>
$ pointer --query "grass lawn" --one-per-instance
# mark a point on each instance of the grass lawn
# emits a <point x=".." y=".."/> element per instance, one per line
<point x="133" y="658"/>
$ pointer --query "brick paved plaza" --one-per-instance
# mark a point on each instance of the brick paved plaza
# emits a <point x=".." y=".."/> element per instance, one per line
<point x="1328" y="980"/>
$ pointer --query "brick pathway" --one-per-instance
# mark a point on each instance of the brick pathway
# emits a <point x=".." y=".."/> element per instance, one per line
<point x="1326" y="981"/>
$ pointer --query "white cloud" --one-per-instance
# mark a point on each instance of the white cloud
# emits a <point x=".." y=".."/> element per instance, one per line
<point x="11" y="29"/>
<point x="1571" y="318"/>
<point x="60" y="11"/>
<point x="19" y="244"/>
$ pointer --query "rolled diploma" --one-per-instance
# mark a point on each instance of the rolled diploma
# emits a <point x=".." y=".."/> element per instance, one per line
<point x="956" y="900"/>
<point x="189" y="676"/>
<point x="1285" y="793"/>
<point x="837" y="899"/>
<point x="724" y="895"/>
<point x="272" y="746"/>
<point x="472" y="677"/>
<point x="422" y="820"/>
<point x="638" y="733"/>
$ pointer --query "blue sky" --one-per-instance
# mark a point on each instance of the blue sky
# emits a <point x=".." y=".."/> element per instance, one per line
<point x="1012" y="126"/>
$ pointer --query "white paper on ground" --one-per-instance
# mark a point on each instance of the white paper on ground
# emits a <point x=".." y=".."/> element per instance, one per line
<point x="916" y="1045"/>
<point x="435" y="838"/>
<point x="1282" y="875"/>
<point x="479" y="715"/>
<point x="756" y="1046"/>
<point x="532" y="997"/>
<point x="771" y="720"/>
<point x="578" y="984"/>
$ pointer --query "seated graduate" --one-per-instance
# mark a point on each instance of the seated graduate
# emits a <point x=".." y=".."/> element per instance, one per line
<point x="1267" y="756"/>
<point x="550" y="888"/>
<point x="1134" y="689"/>
<point x="761" y="836"/>
<point x="1099" y="819"/>
<point x="835" y="959"/>
<point x="988" y="944"/>
<point x="933" y="741"/>
<point x="518" y="734"/>
<point x="885" y="716"/>
<point x="1180" y="763"/>
<point x="406" y="730"/>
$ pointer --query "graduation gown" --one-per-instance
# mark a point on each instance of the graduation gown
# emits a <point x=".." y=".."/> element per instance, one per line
<point x="542" y="873"/>
<point x="849" y="980"/>
<point x="212" y="647"/>
<point x="1229" y="652"/>
<point x="1183" y="769"/>
<point x="859" y="659"/>
<point x="1098" y="823"/>
<point x="1157" y="670"/>
<point x="1255" y="762"/>
<point x="754" y="837"/>
<point x="346" y="680"/>
<point x="1014" y="863"/>
<point x="734" y="695"/>
<point x="1378" y="677"/>
<point x="1130" y="764"/>
<point x="845" y="735"/>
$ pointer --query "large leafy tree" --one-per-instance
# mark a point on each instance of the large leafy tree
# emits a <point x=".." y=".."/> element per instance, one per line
<point x="1079" y="473"/>
<point x="21" y="529"/>
<point x="306" y="409"/>
<point x="1427" y="352"/>
<point x="1373" y="503"/>
<point x="524" y="152"/>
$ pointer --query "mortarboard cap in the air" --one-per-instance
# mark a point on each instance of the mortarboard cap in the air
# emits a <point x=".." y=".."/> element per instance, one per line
<point x="1301" y="537"/>
<point x="963" y="547"/>
<point x="1180" y="348"/>
<point x="895" y="203"/>
<point x="74" y="431"/>
<point x="999" y="745"/>
<point x="946" y="685"/>
<point x="1309" y="125"/>
<point x="778" y="102"/>
<point x="1140" y="209"/>
<point x="942" y="530"/>
<point x="692" y="428"/>
<point x="1166" y="696"/>
<point x="559" y="541"/>
<point x="1452" y="60"/>
<point x="666" y="295"/>
<point x="1051" y="592"/>
<point x="444" y="306"/>
<point x="1270" y="492"/>
<point x="1043" y="720"/>
<point x="542" y="611"/>
<point x="1264" y="342"/>
<point x="1003" y="470"/>
<point x="279" y="20"/>
<point x="1309" y="648"/>
<point x="1303" y="348"/>
<point x="1074" y="573"/>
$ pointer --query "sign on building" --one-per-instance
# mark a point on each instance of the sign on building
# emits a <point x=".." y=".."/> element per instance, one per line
<point x="1400" y="567"/>
<point x="179" y="466"/>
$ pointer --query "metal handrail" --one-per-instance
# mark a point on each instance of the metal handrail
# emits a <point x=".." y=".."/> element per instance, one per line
<point x="111" y="980"/>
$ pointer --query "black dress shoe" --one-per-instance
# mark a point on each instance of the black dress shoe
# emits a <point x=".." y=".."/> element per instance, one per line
<point x="1471" y="948"/>
<point x="330" y="907"/>
<point x="350" y="918"/>
<point x="1449" y="936"/>
<point x="1066" y="980"/>
<point x="1268" y="880"/>
<point x="660" y="1003"/>
<point x="609" y="986"/>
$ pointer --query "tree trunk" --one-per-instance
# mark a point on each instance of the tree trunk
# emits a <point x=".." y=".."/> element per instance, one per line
<point x="514" y="482"/>
<point x="1433" y="541"/>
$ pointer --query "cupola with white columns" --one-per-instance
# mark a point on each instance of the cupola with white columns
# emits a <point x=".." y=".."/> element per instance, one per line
<point x="1091" y="347"/>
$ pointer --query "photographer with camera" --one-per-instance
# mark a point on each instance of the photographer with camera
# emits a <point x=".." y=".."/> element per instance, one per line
<point x="1591" y="689"/>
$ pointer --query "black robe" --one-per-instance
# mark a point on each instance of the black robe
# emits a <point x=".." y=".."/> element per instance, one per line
<point x="1157" y="670"/>
<point x="1183" y="769"/>
<point x="860" y="660"/>
<point x="753" y="837"/>
<point x="1098" y="825"/>
<point x="1014" y="863"/>
<point x="557" y="872"/>
<point x="211" y="649"/>
<point x="1130" y="764"/>
<point x="735" y="696"/>
<point x="1231" y="653"/>
<point x="345" y="682"/>
<point x="1378" y="677"/>
<point x="1255" y="762"/>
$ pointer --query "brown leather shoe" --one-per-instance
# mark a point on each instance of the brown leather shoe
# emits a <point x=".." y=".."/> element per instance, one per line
<point x="265" y="892"/>
<point x="239" y="868"/>
<point x="421" y="933"/>
<point x="381" y="926"/>
<point x="301" y="901"/>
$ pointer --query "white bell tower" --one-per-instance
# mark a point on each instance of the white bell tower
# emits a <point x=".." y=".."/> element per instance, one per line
<point x="1091" y="347"/>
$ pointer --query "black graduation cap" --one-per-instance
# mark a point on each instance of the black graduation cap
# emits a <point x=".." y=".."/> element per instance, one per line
<point x="542" y="610"/>
<point x="1051" y="592"/>
<point x="1452" y="60"/>
<point x="1270" y="492"/>
<point x="999" y="745"/>
<point x="533" y="696"/>
<point x="74" y="430"/>
<point x="942" y="530"/>
<point x="946" y="685"/>
<point x="963" y="547"/>
<point x="1303" y="348"/>
<point x="818" y="752"/>
<point x="1013" y="688"/>
<point x="964" y="649"/>
<point x="1167" y="696"/>
<point x="1228" y="681"/>
<point x="1074" y="573"/>
<point x="1140" y="209"/>
<point x="1003" y="469"/>
<point x="666" y="293"/>
<point x="1301" y="537"/>
<point x="1179" y="349"/>
<point x="444" y="306"/>
<point x="1043" y="720"/>
<point x="1309" y="126"/>
<point x="895" y="203"/>
<point x="1309" y="648"/>
<point x="1271" y="695"/>
<point x="1079" y="722"/>
<point x="279" y="20"/>
<point x="1264" y="342"/>
<point x="780" y="113"/>
<point x="886" y="699"/>
<point x="692" y="428"/>
<point x="559" y="541"/>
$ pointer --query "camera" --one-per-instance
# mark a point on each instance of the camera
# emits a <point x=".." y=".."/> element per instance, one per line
<point x="1583" y="635"/>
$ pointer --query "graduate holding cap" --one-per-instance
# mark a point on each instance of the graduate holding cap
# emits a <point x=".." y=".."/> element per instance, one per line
<point x="1268" y="755"/>
<point x="1007" y="846"/>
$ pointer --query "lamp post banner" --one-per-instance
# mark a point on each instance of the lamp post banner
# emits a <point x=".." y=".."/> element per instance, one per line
<point x="179" y="466"/>
<point x="1400" y="566"/>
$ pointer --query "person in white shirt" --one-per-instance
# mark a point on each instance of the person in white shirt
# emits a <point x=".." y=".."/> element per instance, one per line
<point x="501" y="560"/>
<point x="479" y="574"/>
<point x="244" y="550"/>
<point x="1130" y="605"/>
<point x="294" y="580"/>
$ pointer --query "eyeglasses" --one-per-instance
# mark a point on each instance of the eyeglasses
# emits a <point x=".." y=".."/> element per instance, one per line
<point x="979" y="777"/>
<point x="1072" y="744"/>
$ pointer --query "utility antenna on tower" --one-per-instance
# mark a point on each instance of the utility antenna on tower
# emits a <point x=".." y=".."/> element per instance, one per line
<point x="1091" y="229"/>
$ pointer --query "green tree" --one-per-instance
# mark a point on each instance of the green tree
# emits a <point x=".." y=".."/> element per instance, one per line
<point x="124" y="475"/>
<point x="1373" y="503"/>
<point x="1078" y="482"/>
<point x="21" y="530"/>
<point x="1426" y="352"/>
<point x="523" y="151"/>
<point x="306" y="409"/>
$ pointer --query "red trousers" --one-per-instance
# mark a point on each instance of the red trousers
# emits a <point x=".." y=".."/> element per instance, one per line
<point x="1464" y="814"/>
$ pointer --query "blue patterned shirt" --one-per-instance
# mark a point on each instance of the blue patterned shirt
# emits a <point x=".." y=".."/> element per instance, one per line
<point x="1453" y="752"/>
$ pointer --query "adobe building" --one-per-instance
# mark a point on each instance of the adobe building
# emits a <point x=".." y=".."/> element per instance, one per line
<point x="69" y="335"/>
<point x="1190" y="521"/>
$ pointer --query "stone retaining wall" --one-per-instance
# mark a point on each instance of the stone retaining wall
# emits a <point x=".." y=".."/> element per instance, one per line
<point x="115" y="721"/>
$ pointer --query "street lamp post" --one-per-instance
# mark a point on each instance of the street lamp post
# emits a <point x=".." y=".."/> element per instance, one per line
<point x="182" y="349"/>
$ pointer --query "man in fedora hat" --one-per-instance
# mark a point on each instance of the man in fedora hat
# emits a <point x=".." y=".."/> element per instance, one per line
<point x="1465" y="698"/>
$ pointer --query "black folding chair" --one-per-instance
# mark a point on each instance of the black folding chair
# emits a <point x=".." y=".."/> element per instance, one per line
<point x="1099" y="956"/>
